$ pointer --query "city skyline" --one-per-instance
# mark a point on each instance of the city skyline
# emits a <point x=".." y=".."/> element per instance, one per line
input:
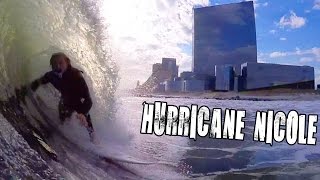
<point x="286" y="33"/>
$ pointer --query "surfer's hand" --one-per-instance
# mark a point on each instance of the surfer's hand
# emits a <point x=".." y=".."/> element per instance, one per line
<point x="83" y="119"/>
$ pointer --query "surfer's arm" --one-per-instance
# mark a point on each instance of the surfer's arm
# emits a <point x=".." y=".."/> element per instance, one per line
<point x="42" y="80"/>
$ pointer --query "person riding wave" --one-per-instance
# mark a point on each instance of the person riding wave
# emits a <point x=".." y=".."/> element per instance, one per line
<point x="75" y="96"/>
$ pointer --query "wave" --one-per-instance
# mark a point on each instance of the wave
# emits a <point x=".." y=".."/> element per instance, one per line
<point x="30" y="32"/>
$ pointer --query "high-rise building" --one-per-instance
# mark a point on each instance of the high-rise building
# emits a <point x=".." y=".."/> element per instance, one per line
<point x="170" y="64"/>
<point x="223" y="34"/>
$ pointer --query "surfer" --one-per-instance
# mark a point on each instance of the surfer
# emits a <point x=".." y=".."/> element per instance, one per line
<point x="75" y="96"/>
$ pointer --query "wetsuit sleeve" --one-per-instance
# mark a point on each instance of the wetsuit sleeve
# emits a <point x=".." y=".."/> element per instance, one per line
<point x="42" y="80"/>
<point x="85" y="94"/>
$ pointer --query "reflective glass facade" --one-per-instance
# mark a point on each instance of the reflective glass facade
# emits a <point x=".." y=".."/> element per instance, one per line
<point x="223" y="35"/>
<point x="263" y="75"/>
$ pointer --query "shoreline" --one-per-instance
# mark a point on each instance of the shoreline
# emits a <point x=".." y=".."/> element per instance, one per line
<point x="263" y="95"/>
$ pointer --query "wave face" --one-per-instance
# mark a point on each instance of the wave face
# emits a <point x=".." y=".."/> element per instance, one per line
<point x="30" y="31"/>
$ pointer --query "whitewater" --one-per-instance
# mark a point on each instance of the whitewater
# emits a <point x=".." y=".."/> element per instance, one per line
<point x="31" y="30"/>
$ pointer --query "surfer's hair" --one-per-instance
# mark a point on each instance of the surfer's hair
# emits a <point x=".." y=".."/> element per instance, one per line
<point x="59" y="54"/>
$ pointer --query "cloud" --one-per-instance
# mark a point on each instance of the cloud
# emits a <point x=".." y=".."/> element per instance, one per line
<point x="283" y="39"/>
<point x="278" y="54"/>
<point x="256" y="4"/>
<point x="313" y="53"/>
<point x="298" y="51"/>
<point x="316" y="5"/>
<point x="261" y="57"/>
<point x="272" y="31"/>
<point x="316" y="51"/>
<point x="293" y="21"/>
<point x="143" y="31"/>
<point x="306" y="59"/>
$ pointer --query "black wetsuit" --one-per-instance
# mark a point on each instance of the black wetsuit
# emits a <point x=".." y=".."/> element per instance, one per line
<point x="74" y="91"/>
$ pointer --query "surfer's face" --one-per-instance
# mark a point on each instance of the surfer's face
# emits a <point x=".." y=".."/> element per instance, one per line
<point x="60" y="64"/>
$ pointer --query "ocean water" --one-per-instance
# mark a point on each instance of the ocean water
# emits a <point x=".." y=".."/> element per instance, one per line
<point x="226" y="159"/>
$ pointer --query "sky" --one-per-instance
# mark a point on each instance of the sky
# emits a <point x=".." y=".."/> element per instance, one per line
<point x="143" y="31"/>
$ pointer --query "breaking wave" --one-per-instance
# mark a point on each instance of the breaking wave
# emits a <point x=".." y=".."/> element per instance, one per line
<point x="30" y="31"/>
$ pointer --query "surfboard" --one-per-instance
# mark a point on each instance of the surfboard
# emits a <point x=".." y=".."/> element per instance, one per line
<point x="51" y="153"/>
<point x="16" y="116"/>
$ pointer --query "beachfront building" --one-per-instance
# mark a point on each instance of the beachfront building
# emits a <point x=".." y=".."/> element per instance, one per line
<point x="187" y="75"/>
<point x="224" y="45"/>
<point x="194" y="85"/>
<point x="169" y="64"/>
<point x="265" y="76"/>
<point x="156" y="67"/>
<point x="223" y="34"/>
<point x="181" y="85"/>
<point x="224" y="78"/>
<point x="175" y="85"/>
<point x="161" y="72"/>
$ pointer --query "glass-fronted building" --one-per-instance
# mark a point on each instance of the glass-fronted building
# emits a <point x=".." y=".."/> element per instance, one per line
<point x="224" y="78"/>
<point x="265" y="76"/>
<point x="223" y="34"/>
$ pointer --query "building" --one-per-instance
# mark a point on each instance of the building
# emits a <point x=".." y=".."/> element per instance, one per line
<point x="190" y="84"/>
<point x="181" y="85"/>
<point x="176" y="85"/>
<point x="238" y="84"/>
<point x="161" y="72"/>
<point x="169" y="64"/>
<point x="223" y="34"/>
<point x="224" y="78"/>
<point x="187" y="75"/>
<point x="156" y="67"/>
<point x="266" y="76"/>
<point x="194" y="85"/>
